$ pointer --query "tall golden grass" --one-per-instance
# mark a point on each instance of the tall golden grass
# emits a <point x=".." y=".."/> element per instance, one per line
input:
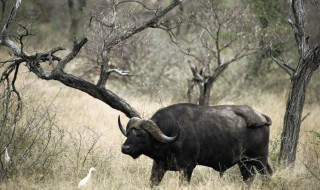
<point x="88" y="119"/>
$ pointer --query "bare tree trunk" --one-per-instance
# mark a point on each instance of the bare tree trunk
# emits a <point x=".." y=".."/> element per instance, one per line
<point x="201" y="94"/>
<point x="292" y="118"/>
<point x="205" y="91"/>
<point x="309" y="61"/>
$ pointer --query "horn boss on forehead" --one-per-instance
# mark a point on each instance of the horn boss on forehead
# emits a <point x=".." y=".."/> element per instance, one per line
<point x="150" y="127"/>
<point x="155" y="131"/>
<point x="134" y="122"/>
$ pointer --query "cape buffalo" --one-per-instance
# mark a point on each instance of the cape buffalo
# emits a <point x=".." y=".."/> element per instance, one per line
<point x="181" y="136"/>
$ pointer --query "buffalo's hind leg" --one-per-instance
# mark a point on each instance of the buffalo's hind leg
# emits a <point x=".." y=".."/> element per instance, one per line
<point x="263" y="167"/>
<point x="247" y="171"/>
<point x="157" y="174"/>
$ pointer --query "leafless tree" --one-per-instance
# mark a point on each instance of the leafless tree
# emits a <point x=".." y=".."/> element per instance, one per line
<point x="114" y="18"/>
<point x="300" y="75"/>
<point x="223" y="39"/>
<point x="36" y="62"/>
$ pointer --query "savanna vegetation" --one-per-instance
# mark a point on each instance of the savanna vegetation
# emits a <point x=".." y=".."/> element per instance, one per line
<point x="59" y="108"/>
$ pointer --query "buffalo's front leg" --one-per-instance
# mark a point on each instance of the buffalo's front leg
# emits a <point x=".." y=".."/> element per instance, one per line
<point x="186" y="174"/>
<point x="157" y="173"/>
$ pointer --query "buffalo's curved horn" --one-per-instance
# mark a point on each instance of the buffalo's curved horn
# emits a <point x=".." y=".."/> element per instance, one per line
<point x="155" y="131"/>
<point x="122" y="129"/>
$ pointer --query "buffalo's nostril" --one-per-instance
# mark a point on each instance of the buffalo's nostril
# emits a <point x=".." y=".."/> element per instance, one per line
<point x="125" y="148"/>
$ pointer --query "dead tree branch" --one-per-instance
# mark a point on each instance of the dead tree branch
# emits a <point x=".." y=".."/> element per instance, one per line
<point x="110" y="44"/>
<point x="149" y="23"/>
<point x="35" y="62"/>
<point x="220" y="32"/>
<point x="305" y="117"/>
<point x="281" y="63"/>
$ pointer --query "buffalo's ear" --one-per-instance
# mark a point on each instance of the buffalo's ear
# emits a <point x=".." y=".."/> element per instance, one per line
<point x="122" y="129"/>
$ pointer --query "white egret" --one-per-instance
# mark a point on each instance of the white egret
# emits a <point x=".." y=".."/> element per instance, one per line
<point x="84" y="182"/>
<point x="6" y="155"/>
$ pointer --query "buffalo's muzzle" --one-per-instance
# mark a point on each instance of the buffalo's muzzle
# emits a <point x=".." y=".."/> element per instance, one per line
<point x="125" y="149"/>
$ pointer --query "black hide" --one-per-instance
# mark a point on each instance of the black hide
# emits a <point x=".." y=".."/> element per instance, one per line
<point x="218" y="137"/>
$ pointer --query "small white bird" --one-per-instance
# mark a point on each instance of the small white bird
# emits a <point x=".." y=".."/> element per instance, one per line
<point x="6" y="155"/>
<point x="83" y="183"/>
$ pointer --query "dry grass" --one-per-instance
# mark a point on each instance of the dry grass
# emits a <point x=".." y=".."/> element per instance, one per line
<point x="89" y="119"/>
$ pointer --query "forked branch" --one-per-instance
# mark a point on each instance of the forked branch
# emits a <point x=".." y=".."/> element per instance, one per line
<point x="149" y="23"/>
<point x="35" y="62"/>
<point x="282" y="64"/>
<point x="109" y="44"/>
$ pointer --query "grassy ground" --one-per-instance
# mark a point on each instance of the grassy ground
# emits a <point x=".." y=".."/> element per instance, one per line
<point x="91" y="122"/>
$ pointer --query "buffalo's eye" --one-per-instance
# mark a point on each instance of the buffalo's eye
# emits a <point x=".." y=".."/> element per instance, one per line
<point x="137" y="132"/>
<point x="140" y="133"/>
<point x="130" y="131"/>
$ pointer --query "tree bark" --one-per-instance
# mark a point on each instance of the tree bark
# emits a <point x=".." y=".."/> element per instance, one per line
<point x="309" y="61"/>
<point x="205" y="91"/>
<point x="100" y="93"/>
<point x="292" y="119"/>
<point x="294" y="107"/>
